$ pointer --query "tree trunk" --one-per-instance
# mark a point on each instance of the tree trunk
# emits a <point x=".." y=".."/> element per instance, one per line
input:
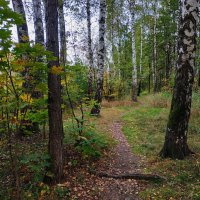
<point x="175" y="145"/>
<point x="22" y="30"/>
<point x="23" y="37"/>
<point x="141" y="54"/>
<point x="90" y="53"/>
<point x="63" y="45"/>
<point x="149" y="86"/>
<point x="134" y="69"/>
<point x="101" y="57"/>
<point x="54" y="92"/>
<point x="155" y="49"/>
<point x="38" y="23"/>
<point x="168" y="62"/>
<point x="39" y="39"/>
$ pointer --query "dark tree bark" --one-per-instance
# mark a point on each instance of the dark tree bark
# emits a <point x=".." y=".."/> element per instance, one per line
<point x="175" y="145"/>
<point x="101" y="57"/>
<point x="154" y="66"/>
<point x="22" y="30"/>
<point x="54" y="92"/>
<point x="38" y="23"/>
<point x="90" y="52"/>
<point x="168" y="62"/>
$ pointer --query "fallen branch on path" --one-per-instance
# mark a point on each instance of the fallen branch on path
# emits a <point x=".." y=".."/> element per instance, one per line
<point x="149" y="177"/>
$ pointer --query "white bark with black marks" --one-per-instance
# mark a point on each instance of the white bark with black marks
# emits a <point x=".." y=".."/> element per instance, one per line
<point x="22" y="30"/>
<point x="90" y="52"/>
<point x="134" y="67"/>
<point x="101" y="57"/>
<point x="175" y="145"/>
<point x="38" y="23"/>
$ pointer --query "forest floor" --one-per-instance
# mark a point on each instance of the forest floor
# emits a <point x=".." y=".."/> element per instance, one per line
<point x="125" y="139"/>
<point x="118" y="161"/>
<point x="139" y="131"/>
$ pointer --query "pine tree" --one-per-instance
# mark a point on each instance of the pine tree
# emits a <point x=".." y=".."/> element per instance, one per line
<point x="54" y="92"/>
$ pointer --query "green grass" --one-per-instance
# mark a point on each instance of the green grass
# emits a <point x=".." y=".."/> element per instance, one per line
<point x="144" y="128"/>
<point x="91" y="143"/>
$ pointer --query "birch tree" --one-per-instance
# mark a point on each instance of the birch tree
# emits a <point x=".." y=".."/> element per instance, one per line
<point x="175" y="145"/>
<point x="38" y="23"/>
<point x="141" y="48"/>
<point x="134" y="67"/>
<point x="90" y="52"/>
<point x="62" y="31"/>
<point x="54" y="92"/>
<point x="22" y="30"/>
<point x="101" y="58"/>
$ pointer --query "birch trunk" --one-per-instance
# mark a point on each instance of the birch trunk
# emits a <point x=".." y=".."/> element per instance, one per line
<point x="141" y="47"/>
<point x="141" y="55"/>
<point x="38" y="23"/>
<point x="22" y="30"/>
<point x="39" y="39"/>
<point x="101" y="58"/>
<point x="54" y="92"/>
<point x="90" y="53"/>
<point x="175" y="145"/>
<point x="23" y="37"/>
<point x="134" y="69"/>
<point x="63" y="45"/>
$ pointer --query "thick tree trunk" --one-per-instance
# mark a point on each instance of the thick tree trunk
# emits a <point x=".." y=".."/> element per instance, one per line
<point x="134" y="69"/>
<point x="38" y="23"/>
<point x="22" y="30"/>
<point x="175" y="145"/>
<point x="101" y="57"/>
<point x="54" y="92"/>
<point x="63" y="44"/>
<point x="90" y="53"/>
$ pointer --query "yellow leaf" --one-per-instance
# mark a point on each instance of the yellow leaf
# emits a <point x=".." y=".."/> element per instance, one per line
<point x="57" y="70"/>
<point x="25" y="38"/>
<point x="26" y="98"/>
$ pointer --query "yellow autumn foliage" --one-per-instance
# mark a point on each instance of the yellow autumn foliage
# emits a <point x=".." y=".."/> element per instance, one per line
<point x="26" y="98"/>
<point x="57" y="70"/>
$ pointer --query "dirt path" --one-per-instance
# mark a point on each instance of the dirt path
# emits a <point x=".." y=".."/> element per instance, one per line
<point x="120" y="161"/>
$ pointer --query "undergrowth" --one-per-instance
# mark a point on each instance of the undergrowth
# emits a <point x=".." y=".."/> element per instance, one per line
<point x="90" y="144"/>
<point x="144" y="128"/>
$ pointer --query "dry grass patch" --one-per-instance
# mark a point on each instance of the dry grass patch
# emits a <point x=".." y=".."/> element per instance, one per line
<point x="111" y="104"/>
<point x="158" y="100"/>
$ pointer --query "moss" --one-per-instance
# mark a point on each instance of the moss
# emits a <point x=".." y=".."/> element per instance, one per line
<point x="176" y="112"/>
